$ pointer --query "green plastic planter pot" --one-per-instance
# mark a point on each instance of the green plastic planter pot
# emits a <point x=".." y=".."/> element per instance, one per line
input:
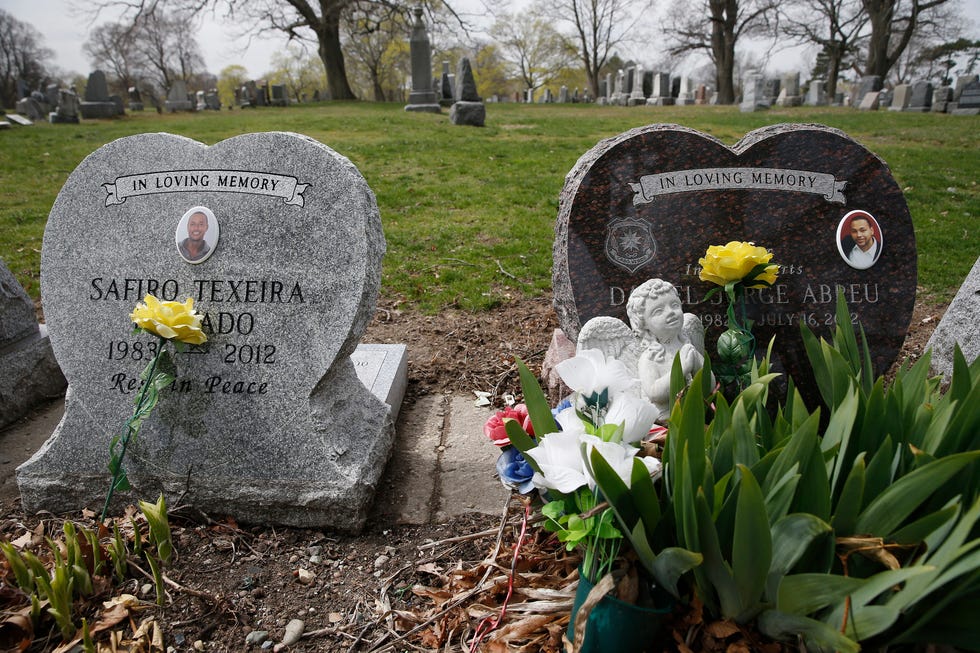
<point x="614" y="626"/>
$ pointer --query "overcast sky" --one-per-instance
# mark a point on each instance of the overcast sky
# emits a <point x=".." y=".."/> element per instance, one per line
<point x="64" y="32"/>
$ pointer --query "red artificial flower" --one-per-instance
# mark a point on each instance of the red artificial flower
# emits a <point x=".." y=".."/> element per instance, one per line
<point x="495" y="430"/>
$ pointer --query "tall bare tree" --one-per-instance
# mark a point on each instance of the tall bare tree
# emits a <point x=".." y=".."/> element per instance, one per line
<point x="715" y="27"/>
<point x="113" y="47"/>
<point x="21" y="57"/>
<point x="166" y="43"/>
<point x="597" y="28"/>
<point x="835" y="25"/>
<point x="536" y="52"/>
<point x="893" y="23"/>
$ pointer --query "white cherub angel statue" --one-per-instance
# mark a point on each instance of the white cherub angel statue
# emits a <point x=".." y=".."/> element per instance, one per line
<point x="658" y="331"/>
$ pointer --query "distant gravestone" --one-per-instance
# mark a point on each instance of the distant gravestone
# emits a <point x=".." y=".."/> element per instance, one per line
<point x="199" y="101"/>
<point x="867" y="84"/>
<point x="267" y="421"/>
<point x="97" y="103"/>
<point x="772" y="88"/>
<point x="969" y="102"/>
<point x="961" y="83"/>
<point x="135" y="99"/>
<point x="647" y="203"/>
<point x="636" y="89"/>
<point x="31" y="108"/>
<point x="563" y="97"/>
<point x="753" y="93"/>
<point x="280" y="98"/>
<point x="886" y="97"/>
<point x="941" y="99"/>
<point x="685" y="96"/>
<point x="900" y="98"/>
<point x="960" y="326"/>
<point x="19" y="119"/>
<point x="422" y="98"/>
<point x="177" y="99"/>
<point x="67" y="110"/>
<point x="870" y="101"/>
<point x="212" y="101"/>
<point x="789" y="95"/>
<point x="661" y="90"/>
<point x="446" y="98"/>
<point x="469" y="109"/>
<point x="920" y="98"/>
<point x="29" y="373"/>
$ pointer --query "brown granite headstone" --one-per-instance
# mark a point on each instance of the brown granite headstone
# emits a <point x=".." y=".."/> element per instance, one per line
<point x="648" y="203"/>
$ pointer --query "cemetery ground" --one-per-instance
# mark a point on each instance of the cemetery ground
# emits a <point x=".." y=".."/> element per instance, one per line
<point x="468" y="216"/>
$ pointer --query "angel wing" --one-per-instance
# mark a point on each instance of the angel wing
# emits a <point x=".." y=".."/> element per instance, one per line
<point x="693" y="331"/>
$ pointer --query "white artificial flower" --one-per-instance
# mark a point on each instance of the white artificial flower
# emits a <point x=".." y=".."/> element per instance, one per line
<point x="635" y="414"/>
<point x="559" y="458"/>
<point x="570" y="422"/>
<point x="589" y="371"/>
<point x="620" y="457"/>
<point x="617" y="455"/>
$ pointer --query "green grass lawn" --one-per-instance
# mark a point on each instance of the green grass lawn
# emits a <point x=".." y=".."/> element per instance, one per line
<point x="469" y="213"/>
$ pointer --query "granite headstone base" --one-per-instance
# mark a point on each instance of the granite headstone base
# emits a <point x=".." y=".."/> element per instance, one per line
<point x="468" y="113"/>
<point x="178" y="105"/>
<point x="91" y="110"/>
<point x="324" y="475"/>
<point x="960" y="326"/>
<point x="383" y="369"/>
<point x="56" y="118"/>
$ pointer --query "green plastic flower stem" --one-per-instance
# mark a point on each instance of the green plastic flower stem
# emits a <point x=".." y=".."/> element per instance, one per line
<point x="118" y="472"/>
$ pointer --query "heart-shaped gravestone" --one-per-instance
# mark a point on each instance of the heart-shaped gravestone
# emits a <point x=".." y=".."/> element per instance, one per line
<point x="649" y="202"/>
<point x="278" y="240"/>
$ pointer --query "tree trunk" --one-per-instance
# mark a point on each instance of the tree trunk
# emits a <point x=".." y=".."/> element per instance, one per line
<point x="332" y="56"/>
<point x="880" y="15"/>
<point x="379" y="91"/>
<point x="836" y="52"/>
<point x="723" y="15"/>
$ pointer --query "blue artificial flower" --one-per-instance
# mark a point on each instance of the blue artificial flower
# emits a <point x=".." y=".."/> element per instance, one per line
<point x="514" y="471"/>
<point x="562" y="405"/>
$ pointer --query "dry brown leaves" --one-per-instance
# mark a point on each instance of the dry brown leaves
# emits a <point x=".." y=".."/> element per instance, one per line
<point x="460" y="599"/>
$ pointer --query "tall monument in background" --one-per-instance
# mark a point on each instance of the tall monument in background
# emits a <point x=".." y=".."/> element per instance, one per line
<point x="423" y="97"/>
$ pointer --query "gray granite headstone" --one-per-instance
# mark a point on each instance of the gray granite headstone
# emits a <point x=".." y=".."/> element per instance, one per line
<point x="177" y="99"/>
<point x="969" y="101"/>
<point x="816" y="94"/>
<point x="267" y="421"/>
<point x="280" y="98"/>
<point x="961" y="83"/>
<point x="67" y="111"/>
<point x="870" y="101"/>
<point x="753" y="93"/>
<point x="900" y="98"/>
<point x="920" y="98"/>
<point x="789" y="95"/>
<point x="867" y="84"/>
<point x="97" y="103"/>
<point x="959" y="326"/>
<point x="29" y="373"/>
<point x="941" y="98"/>
<point x="661" y="90"/>
<point x="469" y="109"/>
<point x="422" y="98"/>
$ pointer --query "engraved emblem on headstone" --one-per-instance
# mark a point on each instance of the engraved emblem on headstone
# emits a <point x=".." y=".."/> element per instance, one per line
<point x="630" y="243"/>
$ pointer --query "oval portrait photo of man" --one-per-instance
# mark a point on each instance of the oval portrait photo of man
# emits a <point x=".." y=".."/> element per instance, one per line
<point x="859" y="239"/>
<point x="197" y="234"/>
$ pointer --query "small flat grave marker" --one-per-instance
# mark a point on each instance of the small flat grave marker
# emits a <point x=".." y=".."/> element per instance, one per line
<point x="648" y="203"/>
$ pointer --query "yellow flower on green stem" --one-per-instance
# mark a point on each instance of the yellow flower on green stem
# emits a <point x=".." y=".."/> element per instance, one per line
<point x="170" y="320"/>
<point x="723" y="264"/>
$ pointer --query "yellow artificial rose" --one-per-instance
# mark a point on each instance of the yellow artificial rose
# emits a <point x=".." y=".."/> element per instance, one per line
<point x="170" y="320"/>
<point x="732" y="262"/>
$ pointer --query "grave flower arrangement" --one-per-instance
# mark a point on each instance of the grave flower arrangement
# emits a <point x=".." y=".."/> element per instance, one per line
<point x="845" y="526"/>
<point x="171" y="322"/>
<point x="605" y="419"/>
<point x="736" y="267"/>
